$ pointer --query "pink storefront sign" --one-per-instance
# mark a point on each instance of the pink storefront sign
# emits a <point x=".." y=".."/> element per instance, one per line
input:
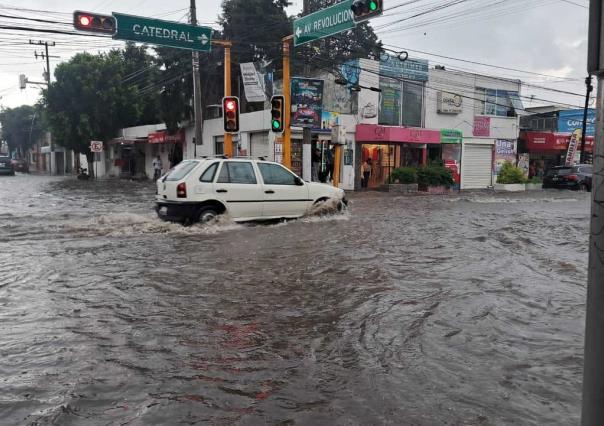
<point x="482" y="126"/>
<point x="373" y="133"/>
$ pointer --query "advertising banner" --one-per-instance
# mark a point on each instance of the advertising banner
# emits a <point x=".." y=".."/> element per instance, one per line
<point x="390" y="102"/>
<point x="572" y="119"/>
<point x="307" y="102"/>
<point x="573" y="145"/>
<point x="482" y="127"/>
<point x="253" y="84"/>
<point x="505" y="151"/>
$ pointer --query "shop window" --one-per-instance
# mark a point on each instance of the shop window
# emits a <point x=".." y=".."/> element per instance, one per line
<point x="499" y="103"/>
<point x="401" y="103"/>
<point x="219" y="145"/>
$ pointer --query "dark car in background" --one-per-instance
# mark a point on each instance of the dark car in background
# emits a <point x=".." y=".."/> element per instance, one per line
<point x="20" y="165"/>
<point x="569" y="177"/>
<point x="6" y="167"/>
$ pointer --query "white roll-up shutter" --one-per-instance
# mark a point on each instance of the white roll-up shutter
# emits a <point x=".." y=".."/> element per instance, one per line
<point x="259" y="146"/>
<point x="477" y="166"/>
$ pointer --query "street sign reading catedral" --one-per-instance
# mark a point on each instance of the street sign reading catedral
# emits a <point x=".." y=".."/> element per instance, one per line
<point x="324" y="23"/>
<point x="163" y="33"/>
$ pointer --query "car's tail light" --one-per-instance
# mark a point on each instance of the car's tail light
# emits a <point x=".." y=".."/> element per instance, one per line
<point x="181" y="190"/>
<point x="574" y="178"/>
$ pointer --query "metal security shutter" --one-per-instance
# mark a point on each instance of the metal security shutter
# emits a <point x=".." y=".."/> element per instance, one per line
<point x="259" y="146"/>
<point x="477" y="166"/>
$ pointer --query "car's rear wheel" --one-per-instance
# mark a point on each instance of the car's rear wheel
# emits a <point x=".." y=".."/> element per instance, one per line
<point x="583" y="188"/>
<point x="207" y="214"/>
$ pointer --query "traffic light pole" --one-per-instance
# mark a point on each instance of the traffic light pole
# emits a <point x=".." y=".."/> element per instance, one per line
<point x="196" y="87"/>
<point x="287" y="131"/>
<point x="228" y="137"/>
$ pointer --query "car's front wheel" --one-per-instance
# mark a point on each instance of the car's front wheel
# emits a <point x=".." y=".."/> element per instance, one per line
<point x="207" y="214"/>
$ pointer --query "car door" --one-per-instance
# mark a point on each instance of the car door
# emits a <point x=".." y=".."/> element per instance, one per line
<point x="239" y="187"/>
<point x="285" y="194"/>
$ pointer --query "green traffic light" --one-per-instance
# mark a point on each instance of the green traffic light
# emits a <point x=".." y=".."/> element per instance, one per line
<point x="373" y="6"/>
<point x="276" y="124"/>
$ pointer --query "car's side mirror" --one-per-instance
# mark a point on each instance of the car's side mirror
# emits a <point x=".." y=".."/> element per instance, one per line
<point x="299" y="181"/>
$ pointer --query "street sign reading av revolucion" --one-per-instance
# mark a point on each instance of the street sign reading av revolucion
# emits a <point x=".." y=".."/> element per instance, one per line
<point x="324" y="23"/>
<point x="163" y="33"/>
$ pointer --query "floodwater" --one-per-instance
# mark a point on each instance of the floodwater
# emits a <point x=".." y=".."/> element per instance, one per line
<point x="459" y="310"/>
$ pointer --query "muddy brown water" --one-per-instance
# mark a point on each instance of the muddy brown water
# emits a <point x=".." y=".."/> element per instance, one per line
<point x="464" y="309"/>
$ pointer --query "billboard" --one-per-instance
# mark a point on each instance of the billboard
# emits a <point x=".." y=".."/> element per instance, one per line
<point x="307" y="102"/>
<point x="571" y="120"/>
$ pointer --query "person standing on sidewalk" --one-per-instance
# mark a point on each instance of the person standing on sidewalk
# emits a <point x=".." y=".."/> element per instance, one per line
<point x="157" y="168"/>
<point x="366" y="173"/>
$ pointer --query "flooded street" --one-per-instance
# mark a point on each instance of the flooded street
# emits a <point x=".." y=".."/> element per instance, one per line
<point x="465" y="309"/>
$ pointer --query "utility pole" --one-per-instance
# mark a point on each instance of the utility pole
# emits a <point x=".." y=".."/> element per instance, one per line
<point x="593" y="366"/>
<point x="196" y="86"/>
<point x="589" y="88"/>
<point x="287" y="130"/>
<point x="45" y="56"/>
<point x="307" y="151"/>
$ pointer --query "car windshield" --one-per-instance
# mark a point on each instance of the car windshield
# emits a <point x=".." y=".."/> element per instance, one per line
<point x="181" y="171"/>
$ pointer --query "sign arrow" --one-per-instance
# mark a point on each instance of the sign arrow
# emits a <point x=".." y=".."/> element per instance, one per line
<point x="204" y="39"/>
<point x="298" y="32"/>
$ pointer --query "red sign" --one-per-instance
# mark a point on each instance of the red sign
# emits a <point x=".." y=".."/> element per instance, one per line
<point x="549" y="141"/>
<point x="164" y="137"/>
<point x="375" y="133"/>
<point x="482" y="126"/>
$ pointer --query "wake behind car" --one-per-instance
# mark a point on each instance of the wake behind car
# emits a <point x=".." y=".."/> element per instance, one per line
<point x="569" y="177"/>
<point x="245" y="189"/>
<point x="6" y="167"/>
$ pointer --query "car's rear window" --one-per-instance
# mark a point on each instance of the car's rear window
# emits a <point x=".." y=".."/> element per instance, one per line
<point x="181" y="171"/>
<point x="563" y="171"/>
<point x="5" y="159"/>
<point x="585" y="169"/>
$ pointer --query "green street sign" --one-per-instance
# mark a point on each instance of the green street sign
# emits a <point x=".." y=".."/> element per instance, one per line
<point x="324" y="23"/>
<point x="163" y="33"/>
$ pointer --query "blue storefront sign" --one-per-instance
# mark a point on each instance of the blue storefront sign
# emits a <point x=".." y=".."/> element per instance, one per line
<point x="411" y="69"/>
<point x="571" y="120"/>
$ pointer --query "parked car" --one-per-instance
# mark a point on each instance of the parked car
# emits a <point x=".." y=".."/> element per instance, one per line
<point x="6" y="167"/>
<point x="569" y="177"/>
<point x="245" y="189"/>
<point x="20" y="165"/>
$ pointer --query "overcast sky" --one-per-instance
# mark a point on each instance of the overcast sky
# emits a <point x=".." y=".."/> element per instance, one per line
<point x="539" y="36"/>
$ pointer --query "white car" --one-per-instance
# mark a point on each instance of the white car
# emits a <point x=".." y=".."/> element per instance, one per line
<point x="246" y="189"/>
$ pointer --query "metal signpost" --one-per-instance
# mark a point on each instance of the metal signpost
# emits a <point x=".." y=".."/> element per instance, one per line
<point x="96" y="147"/>
<point x="324" y="23"/>
<point x="163" y="33"/>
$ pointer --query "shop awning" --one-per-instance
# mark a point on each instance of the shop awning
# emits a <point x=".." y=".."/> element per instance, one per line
<point x="164" y="137"/>
<point x="551" y="141"/>
<point x="373" y="133"/>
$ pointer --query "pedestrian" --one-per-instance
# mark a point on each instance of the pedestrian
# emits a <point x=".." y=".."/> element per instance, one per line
<point x="366" y="173"/>
<point x="316" y="164"/>
<point x="157" y="168"/>
<point x="330" y="163"/>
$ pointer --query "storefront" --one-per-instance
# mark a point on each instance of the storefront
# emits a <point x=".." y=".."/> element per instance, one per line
<point x="549" y="149"/>
<point x="384" y="148"/>
<point x="451" y="146"/>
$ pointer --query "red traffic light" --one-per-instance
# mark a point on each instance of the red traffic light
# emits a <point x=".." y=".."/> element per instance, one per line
<point x="230" y="114"/>
<point x="93" y="22"/>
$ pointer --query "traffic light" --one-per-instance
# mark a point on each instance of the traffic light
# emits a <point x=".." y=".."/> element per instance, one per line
<point x="93" y="22"/>
<point x="277" y="113"/>
<point x="366" y="9"/>
<point x="230" y="114"/>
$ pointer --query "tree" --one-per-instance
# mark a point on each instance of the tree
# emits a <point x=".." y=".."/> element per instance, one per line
<point x="256" y="28"/>
<point x="90" y="101"/>
<point x="21" y="127"/>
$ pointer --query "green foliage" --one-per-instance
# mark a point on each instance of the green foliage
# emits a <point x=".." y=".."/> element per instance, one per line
<point x="435" y="175"/>
<point x="89" y="101"/>
<point x="509" y="174"/>
<point x="536" y="180"/>
<point x="404" y="175"/>
<point x="21" y="127"/>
